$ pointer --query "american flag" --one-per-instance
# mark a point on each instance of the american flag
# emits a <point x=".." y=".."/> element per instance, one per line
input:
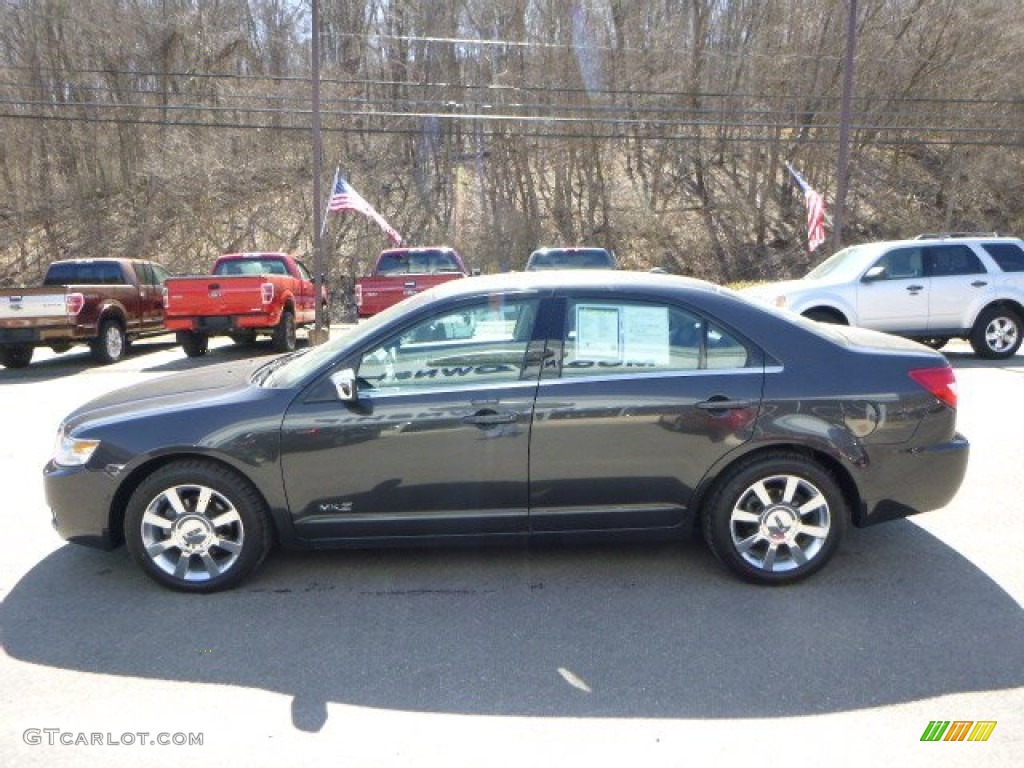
<point x="345" y="198"/>
<point x="815" y="211"/>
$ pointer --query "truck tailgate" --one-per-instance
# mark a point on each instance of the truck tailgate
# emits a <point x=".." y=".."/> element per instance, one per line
<point x="213" y="295"/>
<point x="32" y="306"/>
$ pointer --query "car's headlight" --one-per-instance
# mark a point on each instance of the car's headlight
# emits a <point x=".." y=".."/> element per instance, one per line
<point x="73" y="451"/>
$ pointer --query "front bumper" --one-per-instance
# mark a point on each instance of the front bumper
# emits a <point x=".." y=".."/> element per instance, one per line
<point x="80" y="502"/>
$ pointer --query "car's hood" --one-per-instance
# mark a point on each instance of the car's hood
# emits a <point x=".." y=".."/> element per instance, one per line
<point x="174" y="392"/>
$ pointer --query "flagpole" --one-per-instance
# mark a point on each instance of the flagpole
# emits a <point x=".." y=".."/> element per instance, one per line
<point x="327" y="205"/>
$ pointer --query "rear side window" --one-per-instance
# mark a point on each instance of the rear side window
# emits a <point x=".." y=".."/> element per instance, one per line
<point x="1009" y="256"/>
<point x="609" y="337"/>
<point x="950" y="260"/>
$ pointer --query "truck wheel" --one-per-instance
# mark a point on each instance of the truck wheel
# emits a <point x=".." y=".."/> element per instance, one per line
<point x="284" y="333"/>
<point x="16" y="355"/>
<point x="194" y="344"/>
<point x="996" y="334"/>
<point x="109" y="346"/>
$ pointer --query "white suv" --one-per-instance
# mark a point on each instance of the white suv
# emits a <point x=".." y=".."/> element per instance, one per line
<point x="932" y="289"/>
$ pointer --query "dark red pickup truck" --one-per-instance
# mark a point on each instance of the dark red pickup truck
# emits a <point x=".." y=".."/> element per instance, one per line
<point x="401" y="272"/>
<point x="105" y="303"/>
<point x="246" y="295"/>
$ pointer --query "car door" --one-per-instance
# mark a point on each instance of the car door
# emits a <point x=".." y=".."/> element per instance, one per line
<point x="894" y="294"/>
<point x="959" y="286"/>
<point x="639" y="401"/>
<point x="151" y="295"/>
<point x="437" y="441"/>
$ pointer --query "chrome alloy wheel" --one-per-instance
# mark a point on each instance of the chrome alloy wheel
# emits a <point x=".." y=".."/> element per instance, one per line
<point x="780" y="523"/>
<point x="192" y="532"/>
<point x="1001" y="334"/>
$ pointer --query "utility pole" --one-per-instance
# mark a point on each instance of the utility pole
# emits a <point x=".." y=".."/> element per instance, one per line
<point x="321" y="329"/>
<point x="844" y="127"/>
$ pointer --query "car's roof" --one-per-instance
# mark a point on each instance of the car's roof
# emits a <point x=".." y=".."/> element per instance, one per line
<point x="574" y="279"/>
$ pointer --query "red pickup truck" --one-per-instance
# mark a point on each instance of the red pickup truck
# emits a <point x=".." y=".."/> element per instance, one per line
<point x="105" y="303"/>
<point x="401" y="272"/>
<point x="245" y="296"/>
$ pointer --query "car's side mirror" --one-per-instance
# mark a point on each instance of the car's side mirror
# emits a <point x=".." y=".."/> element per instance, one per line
<point x="877" y="272"/>
<point x="344" y="382"/>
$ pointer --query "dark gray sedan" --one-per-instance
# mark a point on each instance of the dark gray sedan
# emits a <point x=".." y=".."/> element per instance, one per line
<point x="521" y="407"/>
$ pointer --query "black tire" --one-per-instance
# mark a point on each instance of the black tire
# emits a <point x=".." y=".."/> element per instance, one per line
<point x="207" y="546"/>
<point x="284" y="333"/>
<point x="16" y="355"/>
<point x="996" y="334"/>
<point x="110" y="343"/>
<point x="194" y="344"/>
<point x="775" y="543"/>
<point x="822" y="315"/>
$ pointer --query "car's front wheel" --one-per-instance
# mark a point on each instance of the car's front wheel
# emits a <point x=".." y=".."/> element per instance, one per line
<point x="775" y="519"/>
<point x="996" y="334"/>
<point x="196" y="526"/>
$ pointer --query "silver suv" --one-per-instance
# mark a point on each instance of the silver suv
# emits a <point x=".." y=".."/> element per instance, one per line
<point x="932" y="288"/>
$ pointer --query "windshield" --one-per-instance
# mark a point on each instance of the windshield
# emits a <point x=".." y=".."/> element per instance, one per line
<point x="846" y="263"/>
<point x="291" y="370"/>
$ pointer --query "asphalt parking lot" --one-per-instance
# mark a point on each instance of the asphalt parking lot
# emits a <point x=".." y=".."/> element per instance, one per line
<point x="639" y="655"/>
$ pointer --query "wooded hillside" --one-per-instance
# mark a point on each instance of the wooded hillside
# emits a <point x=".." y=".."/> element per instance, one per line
<point x="180" y="129"/>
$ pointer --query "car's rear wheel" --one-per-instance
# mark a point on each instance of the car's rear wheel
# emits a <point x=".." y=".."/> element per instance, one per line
<point x="195" y="526"/>
<point x="775" y="519"/>
<point x="110" y="345"/>
<point x="284" y="333"/>
<point x="194" y="344"/>
<point x="16" y="355"/>
<point x="996" y="333"/>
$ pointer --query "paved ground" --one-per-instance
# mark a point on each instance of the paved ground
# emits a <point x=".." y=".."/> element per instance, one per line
<point x="644" y="656"/>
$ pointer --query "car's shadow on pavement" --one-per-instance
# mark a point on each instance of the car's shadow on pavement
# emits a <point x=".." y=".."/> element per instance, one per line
<point x="639" y="631"/>
<point x="77" y="360"/>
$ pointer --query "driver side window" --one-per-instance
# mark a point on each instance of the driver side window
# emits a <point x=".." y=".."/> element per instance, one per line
<point x="479" y="344"/>
<point x="902" y="264"/>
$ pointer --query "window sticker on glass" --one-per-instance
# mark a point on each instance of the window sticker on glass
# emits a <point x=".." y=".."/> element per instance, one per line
<point x="597" y="333"/>
<point x="645" y="335"/>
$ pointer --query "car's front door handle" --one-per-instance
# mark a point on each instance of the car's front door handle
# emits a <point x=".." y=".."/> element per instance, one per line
<point x="979" y="283"/>
<point x="489" y="418"/>
<point x="724" y="404"/>
<point x="915" y="287"/>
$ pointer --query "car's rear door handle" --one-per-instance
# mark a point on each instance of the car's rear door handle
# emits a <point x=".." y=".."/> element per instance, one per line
<point x="489" y="418"/>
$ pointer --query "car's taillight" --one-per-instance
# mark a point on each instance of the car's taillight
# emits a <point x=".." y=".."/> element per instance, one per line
<point x="74" y="303"/>
<point x="941" y="382"/>
<point x="359" y="295"/>
<point x="267" y="290"/>
<point x="167" y="297"/>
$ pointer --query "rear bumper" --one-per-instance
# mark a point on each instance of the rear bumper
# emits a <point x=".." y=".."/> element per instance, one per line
<point x="213" y="325"/>
<point x="910" y="481"/>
